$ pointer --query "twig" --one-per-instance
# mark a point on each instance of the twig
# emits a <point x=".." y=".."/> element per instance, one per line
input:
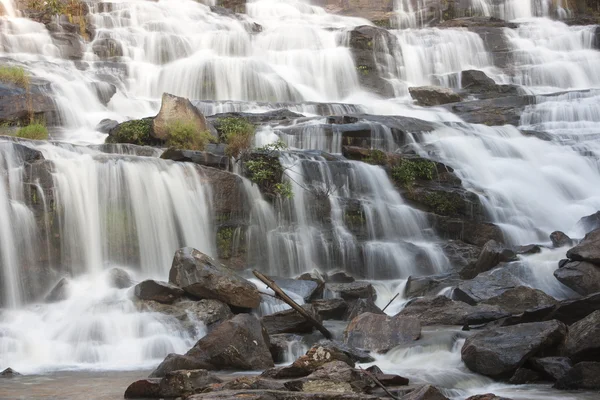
<point x="388" y="304"/>
<point x="378" y="382"/>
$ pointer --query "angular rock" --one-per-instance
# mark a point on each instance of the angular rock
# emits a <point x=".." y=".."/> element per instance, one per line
<point x="339" y="277"/>
<point x="107" y="48"/>
<point x="60" y="292"/>
<point x="252" y="383"/>
<point x="590" y="222"/>
<point x="144" y="389"/>
<point x="381" y="333"/>
<point x="354" y="355"/>
<point x="583" y="339"/>
<point x="528" y="249"/>
<point x="352" y="290"/>
<point x="331" y="308"/>
<point x="197" y="157"/>
<point x="9" y="373"/>
<point x="280" y="345"/>
<point x="581" y="276"/>
<point x="289" y="321"/>
<point x="241" y="343"/>
<point x="106" y="125"/>
<point x="429" y="285"/>
<point x="200" y="276"/>
<point x="433" y="95"/>
<point x="487" y="285"/>
<point x="585" y="375"/>
<point x="362" y="306"/>
<point x="119" y="278"/>
<point x="178" y="110"/>
<point x="519" y="299"/>
<point x="552" y="368"/>
<point x="441" y="310"/>
<point x="460" y="254"/>
<point x="425" y="392"/>
<point x="335" y="376"/>
<point x="185" y="382"/>
<point x="304" y="288"/>
<point x="588" y="249"/>
<point x="523" y="376"/>
<point x="487" y="396"/>
<point x="162" y="292"/>
<point x="177" y="362"/>
<point x="499" y="352"/>
<point x="492" y="254"/>
<point x="560" y="239"/>
<point x="478" y="83"/>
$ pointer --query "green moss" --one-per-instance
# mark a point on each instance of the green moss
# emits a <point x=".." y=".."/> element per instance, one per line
<point x="441" y="203"/>
<point x="363" y="69"/>
<point x="264" y="169"/>
<point x="225" y="242"/>
<point x="407" y="171"/>
<point x="237" y="133"/>
<point x="354" y="219"/>
<point x="376" y="157"/>
<point x="183" y="135"/>
<point x="138" y="132"/>
<point x="15" y="75"/>
<point x="35" y="131"/>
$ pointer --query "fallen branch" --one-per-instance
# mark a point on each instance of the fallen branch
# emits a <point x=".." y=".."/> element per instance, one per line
<point x="287" y="299"/>
<point x="378" y="382"/>
<point x="388" y="304"/>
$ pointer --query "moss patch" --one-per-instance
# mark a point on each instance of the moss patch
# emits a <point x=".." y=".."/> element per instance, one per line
<point x="35" y="131"/>
<point x="407" y="171"/>
<point x="138" y="132"/>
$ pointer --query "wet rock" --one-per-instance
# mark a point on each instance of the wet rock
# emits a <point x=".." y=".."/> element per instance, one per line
<point x="104" y="91"/>
<point x="106" y="125"/>
<point x="433" y="95"/>
<point x="60" y="292"/>
<point x="186" y="382"/>
<point x="289" y="321"/>
<point x="200" y="276"/>
<point x="162" y="292"/>
<point x="377" y="11"/>
<point x="486" y="285"/>
<point x="264" y="394"/>
<point x="9" y="373"/>
<point x="583" y="339"/>
<point x="492" y="254"/>
<point x="339" y="277"/>
<point x="581" y="276"/>
<point x="18" y="105"/>
<point x="441" y="310"/>
<point x="487" y="396"/>
<point x="241" y="343"/>
<point x="306" y="289"/>
<point x="253" y="383"/>
<point x="70" y="45"/>
<point x="381" y="333"/>
<point x="362" y="306"/>
<point x="354" y="355"/>
<point x="119" y="278"/>
<point x="460" y="254"/>
<point x="493" y="111"/>
<point x="198" y="157"/>
<point x="470" y="232"/>
<point x="523" y="376"/>
<point x="353" y="290"/>
<point x="335" y="376"/>
<point x="528" y="249"/>
<point x="425" y="392"/>
<point x="178" y="110"/>
<point x="144" y="389"/>
<point x="107" y="48"/>
<point x="334" y="309"/>
<point x="588" y="249"/>
<point x="552" y="368"/>
<point x="190" y="313"/>
<point x="367" y="44"/>
<point x="590" y="222"/>
<point x="280" y="345"/>
<point x="499" y="352"/>
<point x="519" y="299"/>
<point x="429" y="285"/>
<point x="560" y="239"/>
<point x="479" y="84"/>
<point x="584" y="375"/>
<point x="177" y="362"/>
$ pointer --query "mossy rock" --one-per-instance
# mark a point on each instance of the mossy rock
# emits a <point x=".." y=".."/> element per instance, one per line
<point x="138" y="131"/>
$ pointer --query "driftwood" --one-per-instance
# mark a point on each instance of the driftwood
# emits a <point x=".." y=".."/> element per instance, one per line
<point x="284" y="297"/>
<point x="378" y="382"/>
<point x="388" y="304"/>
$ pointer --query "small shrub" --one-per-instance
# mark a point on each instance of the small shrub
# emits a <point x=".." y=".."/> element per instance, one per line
<point x="183" y="135"/>
<point x="137" y="131"/>
<point x="266" y="171"/>
<point x="408" y="171"/>
<point x="14" y="75"/>
<point x="376" y="157"/>
<point x="237" y="133"/>
<point x="35" y="131"/>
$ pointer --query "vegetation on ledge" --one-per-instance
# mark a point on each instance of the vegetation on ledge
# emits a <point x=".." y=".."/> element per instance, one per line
<point x="237" y="134"/>
<point x="15" y="75"/>
<point x="183" y="135"/>
<point x="35" y="131"/>
<point x="264" y="169"/>
<point x="138" y="131"/>
<point x="407" y="171"/>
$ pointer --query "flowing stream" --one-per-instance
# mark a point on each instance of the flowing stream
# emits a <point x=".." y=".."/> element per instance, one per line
<point x="121" y="209"/>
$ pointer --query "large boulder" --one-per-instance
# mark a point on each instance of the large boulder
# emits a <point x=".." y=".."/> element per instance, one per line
<point x="560" y="239"/>
<point x="499" y="352"/>
<point x="362" y="306"/>
<point x="19" y="105"/>
<point x="190" y="313"/>
<point x="177" y="110"/>
<point x="441" y="310"/>
<point x="381" y="333"/>
<point x="183" y="383"/>
<point x="519" y="299"/>
<point x="335" y="376"/>
<point x="352" y="290"/>
<point x="590" y="222"/>
<point x="492" y="254"/>
<point x="331" y="308"/>
<point x="143" y="389"/>
<point x="306" y="289"/>
<point x="431" y="285"/>
<point x="200" y="276"/>
<point x="585" y="375"/>
<point x="588" y="249"/>
<point x="583" y="339"/>
<point x="162" y="292"/>
<point x="289" y="321"/>
<point x="479" y="84"/>
<point x="433" y="95"/>
<point x="581" y="276"/>
<point x="241" y="343"/>
<point x="486" y="286"/>
<point x="552" y="368"/>
<point x="119" y="278"/>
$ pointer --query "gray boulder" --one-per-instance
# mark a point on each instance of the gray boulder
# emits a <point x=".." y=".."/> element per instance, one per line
<point x="583" y="339"/>
<point x="352" y="290"/>
<point x="425" y="392"/>
<point x="499" y="352"/>
<point x="162" y="292"/>
<point x="289" y="321"/>
<point x="331" y="308"/>
<point x="581" y="276"/>
<point x="381" y="333"/>
<point x="520" y="299"/>
<point x="492" y="254"/>
<point x="178" y="110"/>
<point x="588" y="249"/>
<point x="119" y="278"/>
<point x="590" y="222"/>
<point x="560" y="239"/>
<point x="201" y="276"/>
<point x="433" y="95"/>
<point x="585" y="375"/>
<point x="552" y="368"/>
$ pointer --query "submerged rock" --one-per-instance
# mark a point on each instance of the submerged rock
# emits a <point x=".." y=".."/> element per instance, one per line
<point x="560" y="239"/>
<point x="381" y="333"/>
<point x="590" y="222"/>
<point x="499" y="352"/>
<point x="119" y="278"/>
<point x="60" y="292"/>
<point x="200" y="276"/>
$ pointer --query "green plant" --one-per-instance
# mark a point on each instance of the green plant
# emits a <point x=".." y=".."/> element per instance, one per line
<point x="137" y="131"/>
<point x="376" y="157"/>
<point x="183" y="135"/>
<point x="264" y="169"/>
<point x="35" y="131"/>
<point x="237" y="133"/>
<point x="225" y="242"/>
<point x="441" y="203"/>
<point x="14" y="75"/>
<point x="407" y="171"/>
